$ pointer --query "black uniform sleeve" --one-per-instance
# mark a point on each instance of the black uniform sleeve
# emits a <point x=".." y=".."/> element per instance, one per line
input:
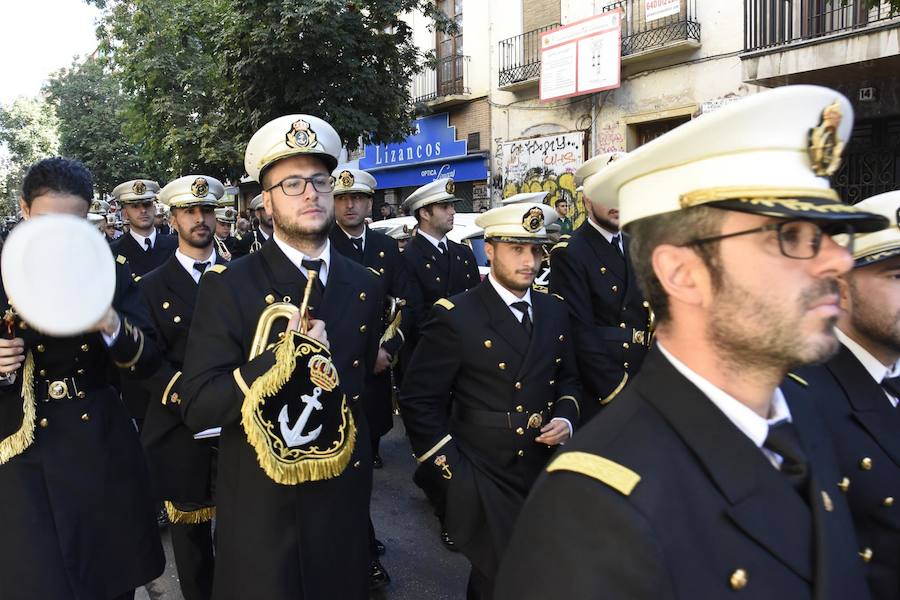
<point x="592" y="544"/>
<point x="569" y="394"/>
<point x="159" y="382"/>
<point x="217" y="373"/>
<point x="135" y="351"/>
<point x="570" y="280"/>
<point x="402" y="285"/>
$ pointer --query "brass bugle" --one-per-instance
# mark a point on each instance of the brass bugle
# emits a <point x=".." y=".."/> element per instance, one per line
<point x="304" y="306"/>
<point x="281" y="310"/>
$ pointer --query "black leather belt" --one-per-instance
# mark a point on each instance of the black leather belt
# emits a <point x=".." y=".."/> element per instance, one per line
<point x="503" y="420"/>
<point x="65" y="388"/>
<point x="621" y="334"/>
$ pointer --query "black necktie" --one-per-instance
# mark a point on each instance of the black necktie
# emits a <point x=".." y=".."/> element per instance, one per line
<point x="358" y="244"/>
<point x="318" y="291"/>
<point x="442" y="247"/>
<point x="526" y="319"/>
<point x="615" y="241"/>
<point x="783" y="440"/>
<point x="892" y="386"/>
<point x="200" y="267"/>
<point x="149" y="244"/>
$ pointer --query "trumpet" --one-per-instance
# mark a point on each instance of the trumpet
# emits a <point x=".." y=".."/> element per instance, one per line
<point x="221" y="248"/>
<point x="281" y="310"/>
<point x="255" y="245"/>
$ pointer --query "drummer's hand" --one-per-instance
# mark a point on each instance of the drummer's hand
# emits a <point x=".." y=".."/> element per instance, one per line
<point x="109" y="324"/>
<point x="316" y="328"/>
<point x="12" y="355"/>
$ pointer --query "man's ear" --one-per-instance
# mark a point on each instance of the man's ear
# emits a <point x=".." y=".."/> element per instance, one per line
<point x="23" y="207"/>
<point x="682" y="274"/>
<point x="844" y="291"/>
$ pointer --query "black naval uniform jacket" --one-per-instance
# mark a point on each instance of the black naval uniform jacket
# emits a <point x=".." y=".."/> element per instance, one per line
<point x="303" y="541"/>
<point x="141" y="260"/>
<point x="665" y="498"/>
<point x="866" y="431"/>
<point x="609" y="320"/>
<point x="423" y="261"/>
<point x="78" y="521"/>
<point x="245" y="244"/>
<point x="380" y="252"/>
<point x="474" y="350"/>
<point x="180" y="466"/>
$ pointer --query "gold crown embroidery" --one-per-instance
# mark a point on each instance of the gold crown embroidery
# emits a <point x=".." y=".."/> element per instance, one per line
<point x="300" y="135"/>
<point x="322" y="372"/>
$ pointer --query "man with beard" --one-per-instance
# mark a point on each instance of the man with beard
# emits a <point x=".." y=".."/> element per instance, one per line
<point x="354" y="239"/>
<point x="253" y="240"/>
<point x="501" y="353"/>
<point x="291" y="510"/>
<point x="701" y="479"/>
<point x="226" y="244"/>
<point x="162" y="221"/>
<point x="142" y="246"/>
<point x="592" y="271"/>
<point x="857" y="391"/>
<point x="77" y="519"/>
<point x="181" y="467"/>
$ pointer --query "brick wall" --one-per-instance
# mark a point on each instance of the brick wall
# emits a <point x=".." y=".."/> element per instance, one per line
<point x="473" y="117"/>
<point x="538" y="13"/>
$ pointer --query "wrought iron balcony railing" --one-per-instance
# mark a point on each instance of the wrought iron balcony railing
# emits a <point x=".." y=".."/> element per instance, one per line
<point x="520" y="57"/>
<point x="640" y="35"/>
<point x="771" y="23"/>
<point x="449" y="77"/>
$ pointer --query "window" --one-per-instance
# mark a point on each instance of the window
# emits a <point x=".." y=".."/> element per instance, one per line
<point x="450" y="51"/>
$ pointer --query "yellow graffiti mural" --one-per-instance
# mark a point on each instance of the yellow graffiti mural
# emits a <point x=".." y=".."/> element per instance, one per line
<point x="557" y="186"/>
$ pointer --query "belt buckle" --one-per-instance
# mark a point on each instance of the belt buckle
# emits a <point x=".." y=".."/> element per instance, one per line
<point x="535" y="421"/>
<point x="638" y="337"/>
<point x="58" y="389"/>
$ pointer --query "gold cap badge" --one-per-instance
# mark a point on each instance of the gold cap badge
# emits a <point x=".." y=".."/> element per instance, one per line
<point x="139" y="187"/>
<point x="300" y="135"/>
<point x="825" y="145"/>
<point x="346" y="179"/>
<point x="533" y="221"/>
<point x="200" y="187"/>
<point x="450" y="187"/>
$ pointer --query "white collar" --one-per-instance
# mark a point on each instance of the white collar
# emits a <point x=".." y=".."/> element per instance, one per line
<point x="508" y="297"/>
<point x="188" y="263"/>
<point x="434" y="241"/>
<point x="751" y="424"/>
<point x="140" y="238"/>
<point x="607" y="235"/>
<point x="263" y="233"/>
<point x="351" y="237"/>
<point x="877" y="370"/>
<point x="297" y="257"/>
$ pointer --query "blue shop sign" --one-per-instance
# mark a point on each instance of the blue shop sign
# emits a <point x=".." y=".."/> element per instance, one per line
<point x="472" y="168"/>
<point x="433" y="140"/>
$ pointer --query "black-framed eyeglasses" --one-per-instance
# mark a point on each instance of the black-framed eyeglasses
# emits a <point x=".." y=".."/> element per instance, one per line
<point x="796" y="239"/>
<point x="296" y="185"/>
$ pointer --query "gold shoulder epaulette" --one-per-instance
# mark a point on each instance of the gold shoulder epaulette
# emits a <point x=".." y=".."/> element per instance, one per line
<point x="798" y="379"/>
<point x="622" y="479"/>
<point x="218" y="268"/>
<point x="121" y="259"/>
<point x="559" y="245"/>
<point x="558" y="296"/>
<point x="137" y="278"/>
<point x="445" y="303"/>
<point x="564" y="237"/>
<point x="374" y="270"/>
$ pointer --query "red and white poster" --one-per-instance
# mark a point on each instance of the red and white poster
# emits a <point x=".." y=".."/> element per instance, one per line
<point x="582" y="58"/>
<point x="657" y="9"/>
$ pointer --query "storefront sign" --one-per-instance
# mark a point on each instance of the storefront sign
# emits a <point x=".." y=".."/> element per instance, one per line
<point x="433" y="140"/>
<point x="471" y="168"/>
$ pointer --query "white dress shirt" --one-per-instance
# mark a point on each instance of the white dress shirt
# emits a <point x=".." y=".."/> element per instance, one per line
<point x="296" y="257"/>
<point x="877" y="370"/>
<point x="744" y="418"/>
<point x="352" y="237"/>
<point x="608" y="235"/>
<point x="188" y="263"/>
<point x="434" y="241"/>
<point x="140" y="238"/>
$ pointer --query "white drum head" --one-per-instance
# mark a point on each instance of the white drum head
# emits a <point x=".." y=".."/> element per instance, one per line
<point x="59" y="274"/>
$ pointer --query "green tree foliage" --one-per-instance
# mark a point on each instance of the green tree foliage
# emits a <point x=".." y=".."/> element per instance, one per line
<point x="203" y="75"/>
<point x="91" y="110"/>
<point x="28" y="133"/>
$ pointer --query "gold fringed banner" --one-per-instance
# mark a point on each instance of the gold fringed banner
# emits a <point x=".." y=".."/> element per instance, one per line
<point x="192" y="517"/>
<point x="16" y="443"/>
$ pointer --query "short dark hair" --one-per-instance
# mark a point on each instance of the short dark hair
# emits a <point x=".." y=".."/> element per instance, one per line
<point x="562" y="200"/>
<point x="58" y="174"/>
<point x="429" y="208"/>
<point x="676" y="229"/>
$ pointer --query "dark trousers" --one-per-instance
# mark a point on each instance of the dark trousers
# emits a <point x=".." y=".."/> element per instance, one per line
<point x="193" y="548"/>
<point x="125" y="596"/>
<point x="480" y="587"/>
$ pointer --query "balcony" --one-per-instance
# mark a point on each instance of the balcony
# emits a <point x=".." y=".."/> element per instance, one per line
<point x="444" y="84"/>
<point x="665" y="35"/>
<point x="771" y="23"/>
<point x="520" y="59"/>
<point x="842" y="43"/>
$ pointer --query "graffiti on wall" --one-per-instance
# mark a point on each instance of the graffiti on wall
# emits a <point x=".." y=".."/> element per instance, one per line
<point x="541" y="164"/>
<point x="610" y="138"/>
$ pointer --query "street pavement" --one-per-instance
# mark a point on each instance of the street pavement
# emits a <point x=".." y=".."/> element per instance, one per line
<point x="419" y="565"/>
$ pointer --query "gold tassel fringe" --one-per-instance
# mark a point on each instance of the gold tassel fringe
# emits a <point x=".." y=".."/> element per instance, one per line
<point x="192" y="517"/>
<point x="16" y="443"/>
<point x="292" y="467"/>
<point x="392" y="329"/>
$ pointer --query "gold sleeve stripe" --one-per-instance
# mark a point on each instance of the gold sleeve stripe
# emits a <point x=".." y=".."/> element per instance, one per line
<point x="239" y="380"/>
<point x="798" y="379"/>
<point x="168" y="389"/>
<point x="445" y="303"/>
<point x="434" y="449"/>
<point x="572" y="398"/>
<point x="137" y="357"/>
<point x="559" y="245"/>
<point x="616" y="391"/>
<point x="619" y="478"/>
